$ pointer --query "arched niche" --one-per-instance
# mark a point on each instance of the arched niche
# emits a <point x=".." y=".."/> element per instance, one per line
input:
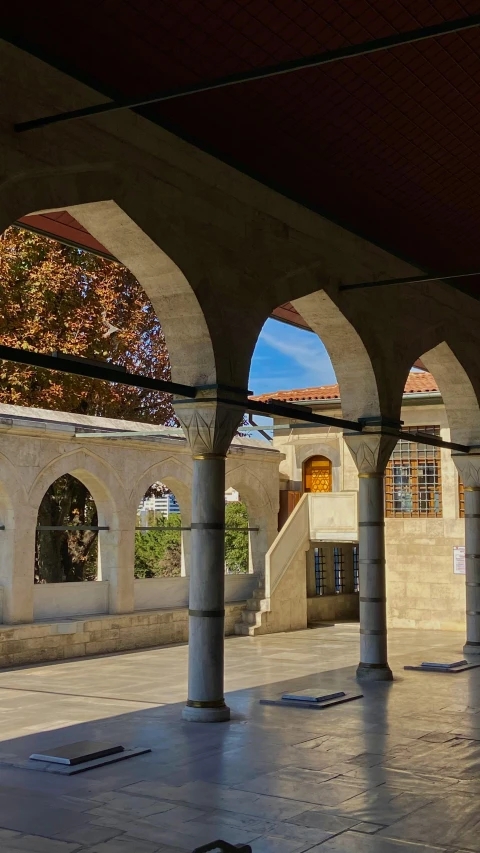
<point x="330" y="450"/>
<point x="317" y="474"/>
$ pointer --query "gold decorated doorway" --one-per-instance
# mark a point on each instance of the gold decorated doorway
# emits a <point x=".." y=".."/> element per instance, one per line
<point x="317" y="474"/>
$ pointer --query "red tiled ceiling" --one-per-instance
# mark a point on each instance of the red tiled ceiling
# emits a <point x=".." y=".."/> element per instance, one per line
<point x="388" y="144"/>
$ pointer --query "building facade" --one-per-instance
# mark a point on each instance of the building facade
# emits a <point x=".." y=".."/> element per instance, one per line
<point x="424" y="524"/>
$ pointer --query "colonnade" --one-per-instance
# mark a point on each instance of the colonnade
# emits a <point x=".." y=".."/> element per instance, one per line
<point x="371" y="451"/>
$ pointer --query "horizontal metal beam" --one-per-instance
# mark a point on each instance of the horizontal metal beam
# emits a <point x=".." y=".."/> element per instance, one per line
<point x="70" y="527"/>
<point x="413" y="279"/>
<point x="163" y="432"/>
<point x="161" y="529"/>
<point x="157" y="527"/>
<point x="326" y="58"/>
<point x="417" y="438"/>
<point x="290" y="410"/>
<point x="426" y="438"/>
<point x="84" y="367"/>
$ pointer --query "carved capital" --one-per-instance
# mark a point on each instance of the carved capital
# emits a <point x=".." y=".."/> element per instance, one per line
<point x="209" y="424"/>
<point x="370" y="450"/>
<point x="468" y="467"/>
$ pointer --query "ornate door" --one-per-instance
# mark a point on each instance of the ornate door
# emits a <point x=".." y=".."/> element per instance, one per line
<point x="317" y="474"/>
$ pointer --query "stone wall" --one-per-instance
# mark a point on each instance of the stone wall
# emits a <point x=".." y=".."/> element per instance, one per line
<point x="333" y="608"/>
<point x="422" y="590"/>
<point x="39" y="446"/>
<point x="50" y="641"/>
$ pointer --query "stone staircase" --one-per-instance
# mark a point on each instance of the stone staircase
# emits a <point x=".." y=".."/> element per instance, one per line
<point x="251" y="623"/>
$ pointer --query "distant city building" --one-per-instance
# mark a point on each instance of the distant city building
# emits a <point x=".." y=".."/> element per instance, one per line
<point x="164" y="505"/>
<point x="231" y="496"/>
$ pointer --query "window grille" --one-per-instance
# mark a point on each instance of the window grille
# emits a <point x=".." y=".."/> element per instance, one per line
<point x="319" y="562"/>
<point x="317" y="474"/>
<point x="338" y="565"/>
<point x="413" y="480"/>
<point x="461" y="499"/>
<point x="356" y="570"/>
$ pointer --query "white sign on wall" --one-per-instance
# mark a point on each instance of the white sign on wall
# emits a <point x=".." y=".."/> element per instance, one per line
<point x="458" y="559"/>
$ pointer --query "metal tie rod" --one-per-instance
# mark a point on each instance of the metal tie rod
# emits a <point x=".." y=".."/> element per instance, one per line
<point x="70" y="527"/>
<point x="85" y="367"/>
<point x="413" y="279"/>
<point x="326" y="58"/>
<point x="161" y="529"/>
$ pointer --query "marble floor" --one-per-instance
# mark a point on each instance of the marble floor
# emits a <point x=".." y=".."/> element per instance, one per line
<point x="394" y="772"/>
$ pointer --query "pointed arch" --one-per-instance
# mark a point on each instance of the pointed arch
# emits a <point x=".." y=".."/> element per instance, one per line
<point x="174" y="474"/>
<point x="351" y="362"/>
<point x="99" y="478"/>
<point x="113" y="210"/>
<point x="458" y="394"/>
<point x="249" y="486"/>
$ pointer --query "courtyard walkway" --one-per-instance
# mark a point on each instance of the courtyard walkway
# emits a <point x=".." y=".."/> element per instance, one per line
<point x="394" y="772"/>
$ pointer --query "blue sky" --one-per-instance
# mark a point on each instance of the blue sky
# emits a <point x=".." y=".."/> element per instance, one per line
<point x="286" y="357"/>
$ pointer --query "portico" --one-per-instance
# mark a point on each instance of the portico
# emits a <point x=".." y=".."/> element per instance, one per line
<point x="218" y="249"/>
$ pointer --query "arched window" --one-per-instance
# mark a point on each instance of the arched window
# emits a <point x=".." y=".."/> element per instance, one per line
<point x="158" y="544"/>
<point x="317" y="474"/>
<point x="67" y="533"/>
<point x="237" y="541"/>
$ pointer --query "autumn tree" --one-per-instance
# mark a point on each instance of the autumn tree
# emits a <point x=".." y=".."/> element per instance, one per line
<point x="58" y="298"/>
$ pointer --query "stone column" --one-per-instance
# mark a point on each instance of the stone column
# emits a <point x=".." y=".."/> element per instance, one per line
<point x="209" y="426"/>
<point x="468" y="467"/>
<point x="371" y="451"/>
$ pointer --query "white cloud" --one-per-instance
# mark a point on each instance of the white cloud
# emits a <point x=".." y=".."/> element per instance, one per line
<point x="311" y="355"/>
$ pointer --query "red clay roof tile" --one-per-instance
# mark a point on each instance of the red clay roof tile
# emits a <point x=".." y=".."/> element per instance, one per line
<point x="417" y="383"/>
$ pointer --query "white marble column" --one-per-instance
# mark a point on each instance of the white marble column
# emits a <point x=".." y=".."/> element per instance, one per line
<point x="209" y="427"/>
<point x="468" y="467"/>
<point x="371" y="451"/>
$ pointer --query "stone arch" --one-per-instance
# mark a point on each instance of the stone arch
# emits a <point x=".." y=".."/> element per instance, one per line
<point x="262" y="512"/>
<point x="116" y="545"/>
<point x="459" y="397"/>
<point x="99" y="478"/>
<point x="352" y="364"/>
<point x="174" y="474"/>
<point x="177" y="476"/>
<point x="113" y="210"/>
<point x="319" y="448"/>
<point x="248" y="484"/>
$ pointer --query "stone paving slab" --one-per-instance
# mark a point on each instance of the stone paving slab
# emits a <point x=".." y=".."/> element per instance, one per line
<point x="397" y="772"/>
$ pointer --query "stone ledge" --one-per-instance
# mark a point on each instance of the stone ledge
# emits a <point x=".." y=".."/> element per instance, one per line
<point x="68" y="639"/>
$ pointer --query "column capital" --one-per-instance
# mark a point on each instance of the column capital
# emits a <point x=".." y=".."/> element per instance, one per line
<point x="209" y="421"/>
<point x="468" y="467"/>
<point x="371" y="449"/>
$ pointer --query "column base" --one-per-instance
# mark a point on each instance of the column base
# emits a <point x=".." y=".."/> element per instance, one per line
<point x="374" y="672"/>
<point x="471" y="648"/>
<point x="206" y="715"/>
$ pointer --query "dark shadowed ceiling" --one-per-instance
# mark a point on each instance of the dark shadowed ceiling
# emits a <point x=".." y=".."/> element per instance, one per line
<point x="385" y="144"/>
